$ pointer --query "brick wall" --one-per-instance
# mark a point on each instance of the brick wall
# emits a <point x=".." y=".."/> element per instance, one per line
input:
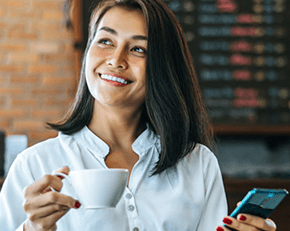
<point x="37" y="67"/>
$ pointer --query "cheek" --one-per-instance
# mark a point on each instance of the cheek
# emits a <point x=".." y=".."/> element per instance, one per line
<point x="139" y="68"/>
<point x="96" y="55"/>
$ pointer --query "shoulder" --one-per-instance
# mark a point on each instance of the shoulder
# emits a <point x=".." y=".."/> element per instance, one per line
<point x="200" y="155"/>
<point x="53" y="146"/>
<point x="42" y="148"/>
<point x="43" y="157"/>
<point x="199" y="164"/>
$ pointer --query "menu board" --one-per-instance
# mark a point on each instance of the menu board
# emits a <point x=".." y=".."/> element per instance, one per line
<point x="240" y="51"/>
<point x="241" y="56"/>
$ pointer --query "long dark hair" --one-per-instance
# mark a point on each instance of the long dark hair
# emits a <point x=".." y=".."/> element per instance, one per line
<point x="174" y="107"/>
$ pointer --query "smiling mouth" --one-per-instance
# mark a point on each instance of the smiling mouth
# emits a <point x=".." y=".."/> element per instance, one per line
<point x="114" y="80"/>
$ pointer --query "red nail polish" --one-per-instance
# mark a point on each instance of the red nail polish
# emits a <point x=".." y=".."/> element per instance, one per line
<point x="227" y="221"/>
<point x="61" y="177"/>
<point x="220" y="229"/>
<point x="242" y="218"/>
<point x="77" y="204"/>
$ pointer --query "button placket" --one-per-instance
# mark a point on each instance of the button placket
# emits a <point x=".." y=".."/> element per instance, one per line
<point x="128" y="196"/>
<point x="131" y="210"/>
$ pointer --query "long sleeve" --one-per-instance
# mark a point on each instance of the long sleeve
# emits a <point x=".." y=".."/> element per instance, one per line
<point x="215" y="207"/>
<point x="12" y="214"/>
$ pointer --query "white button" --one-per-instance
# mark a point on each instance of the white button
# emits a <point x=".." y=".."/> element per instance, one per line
<point x="131" y="208"/>
<point x="135" y="229"/>
<point x="128" y="196"/>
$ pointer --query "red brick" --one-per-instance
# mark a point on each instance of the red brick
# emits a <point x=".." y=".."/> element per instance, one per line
<point x="44" y="26"/>
<point x="25" y="102"/>
<point x="24" y="78"/>
<point x="45" y="91"/>
<point x="3" y="102"/>
<point x="4" y="124"/>
<point x="2" y="12"/>
<point x="45" y="47"/>
<point x="37" y="136"/>
<point x="47" y="113"/>
<point x="47" y="5"/>
<point x="4" y="25"/>
<point x="29" y="125"/>
<point x="12" y="47"/>
<point x="47" y="133"/>
<point x="60" y="35"/>
<point x="14" y="90"/>
<point x="20" y="31"/>
<point x="41" y="68"/>
<point x="37" y="66"/>
<point x="22" y="57"/>
<point x="57" y="102"/>
<point x="23" y="35"/>
<point x="63" y="58"/>
<point x="15" y="3"/>
<point x="11" y="68"/>
<point x="12" y="113"/>
<point x="49" y="80"/>
<point x="53" y="15"/>
<point x="21" y="14"/>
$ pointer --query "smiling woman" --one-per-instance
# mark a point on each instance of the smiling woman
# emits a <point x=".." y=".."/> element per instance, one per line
<point x="138" y="107"/>
<point x="118" y="52"/>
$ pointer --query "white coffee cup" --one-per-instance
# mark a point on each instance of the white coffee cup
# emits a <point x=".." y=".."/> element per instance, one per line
<point x="98" y="188"/>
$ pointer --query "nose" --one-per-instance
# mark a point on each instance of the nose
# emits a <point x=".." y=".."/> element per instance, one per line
<point x="118" y="59"/>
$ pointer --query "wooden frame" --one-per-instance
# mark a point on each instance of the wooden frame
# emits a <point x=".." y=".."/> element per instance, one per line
<point x="251" y="130"/>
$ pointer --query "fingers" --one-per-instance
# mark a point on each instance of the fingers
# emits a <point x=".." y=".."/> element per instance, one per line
<point x="258" y="222"/>
<point x="43" y="184"/>
<point x="247" y="222"/>
<point x="46" y="211"/>
<point x="47" y="223"/>
<point x="48" y="199"/>
<point x="43" y="206"/>
<point x="64" y="170"/>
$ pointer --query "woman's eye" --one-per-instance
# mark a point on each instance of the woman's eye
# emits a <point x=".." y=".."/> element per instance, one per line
<point x="105" y="42"/>
<point x="139" y="50"/>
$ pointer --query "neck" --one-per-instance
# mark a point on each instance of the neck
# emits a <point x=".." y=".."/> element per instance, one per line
<point x="118" y="128"/>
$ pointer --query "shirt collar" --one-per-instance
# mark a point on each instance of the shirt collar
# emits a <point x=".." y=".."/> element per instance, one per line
<point x="99" y="148"/>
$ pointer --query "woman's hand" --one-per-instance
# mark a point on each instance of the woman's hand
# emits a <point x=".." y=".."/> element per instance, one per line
<point x="246" y="222"/>
<point x="43" y="206"/>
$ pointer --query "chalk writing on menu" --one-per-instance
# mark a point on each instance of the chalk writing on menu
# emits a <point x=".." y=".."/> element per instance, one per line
<point x="241" y="55"/>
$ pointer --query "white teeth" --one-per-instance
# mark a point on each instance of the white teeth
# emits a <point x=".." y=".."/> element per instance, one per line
<point x="112" y="78"/>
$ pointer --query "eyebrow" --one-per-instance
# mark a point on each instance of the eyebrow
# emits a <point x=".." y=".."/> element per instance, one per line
<point x="114" y="32"/>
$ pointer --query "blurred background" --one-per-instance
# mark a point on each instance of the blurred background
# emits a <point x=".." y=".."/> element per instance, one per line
<point x="240" y="51"/>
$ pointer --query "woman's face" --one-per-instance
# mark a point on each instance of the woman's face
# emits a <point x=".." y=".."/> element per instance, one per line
<point x="116" y="60"/>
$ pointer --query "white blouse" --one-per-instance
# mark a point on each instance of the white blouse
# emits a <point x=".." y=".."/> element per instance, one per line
<point x="188" y="196"/>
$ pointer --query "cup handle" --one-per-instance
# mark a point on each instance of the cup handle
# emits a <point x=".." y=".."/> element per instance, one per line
<point x="69" y="181"/>
<point x="60" y="174"/>
<point x="64" y="176"/>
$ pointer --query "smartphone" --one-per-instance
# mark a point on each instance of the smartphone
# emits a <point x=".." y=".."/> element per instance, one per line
<point x="260" y="202"/>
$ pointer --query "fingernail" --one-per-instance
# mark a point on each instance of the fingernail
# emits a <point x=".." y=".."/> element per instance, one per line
<point x="242" y="218"/>
<point x="220" y="229"/>
<point x="61" y="177"/>
<point x="227" y="221"/>
<point x="77" y="204"/>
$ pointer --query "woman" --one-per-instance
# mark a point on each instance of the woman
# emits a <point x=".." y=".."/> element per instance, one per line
<point x="138" y="107"/>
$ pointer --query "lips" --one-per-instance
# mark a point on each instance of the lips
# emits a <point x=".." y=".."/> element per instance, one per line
<point x="114" y="79"/>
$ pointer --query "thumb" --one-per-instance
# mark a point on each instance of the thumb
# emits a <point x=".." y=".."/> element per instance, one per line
<point x="65" y="170"/>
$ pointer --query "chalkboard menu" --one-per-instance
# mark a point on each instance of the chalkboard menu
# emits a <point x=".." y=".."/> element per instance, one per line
<point x="241" y="53"/>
